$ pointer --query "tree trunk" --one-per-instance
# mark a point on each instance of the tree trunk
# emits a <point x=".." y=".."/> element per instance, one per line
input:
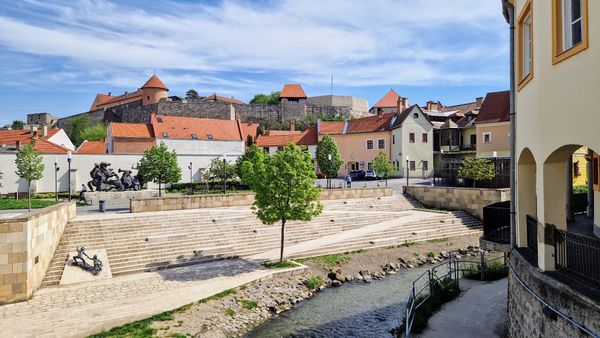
<point x="282" y="239"/>
<point x="29" y="194"/>
<point x="159" y="189"/>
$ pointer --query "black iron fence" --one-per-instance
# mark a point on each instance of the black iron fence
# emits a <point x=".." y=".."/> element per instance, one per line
<point x="496" y="222"/>
<point x="578" y="255"/>
<point x="532" y="228"/>
<point x="449" y="177"/>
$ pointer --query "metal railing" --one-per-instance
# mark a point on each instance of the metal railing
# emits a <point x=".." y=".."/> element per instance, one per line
<point x="496" y="222"/>
<point x="532" y="240"/>
<point x="424" y="286"/>
<point x="578" y="254"/>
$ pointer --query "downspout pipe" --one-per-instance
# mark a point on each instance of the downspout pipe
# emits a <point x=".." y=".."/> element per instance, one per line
<point x="509" y="14"/>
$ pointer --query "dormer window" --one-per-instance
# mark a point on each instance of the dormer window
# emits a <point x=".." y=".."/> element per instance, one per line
<point x="209" y="136"/>
<point x="165" y="135"/>
<point x="194" y="136"/>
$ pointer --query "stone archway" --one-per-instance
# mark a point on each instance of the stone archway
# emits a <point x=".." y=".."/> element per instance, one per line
<point x="526" y="193"/>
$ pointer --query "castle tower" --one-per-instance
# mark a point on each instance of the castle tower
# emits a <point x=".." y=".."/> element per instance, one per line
<point x="153" y="90"/>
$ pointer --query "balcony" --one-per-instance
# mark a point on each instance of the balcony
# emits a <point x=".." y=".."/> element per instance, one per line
<point x="458" y="148"/>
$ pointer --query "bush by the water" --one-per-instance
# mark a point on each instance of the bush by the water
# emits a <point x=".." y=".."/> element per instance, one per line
<point x="492" y="271"/>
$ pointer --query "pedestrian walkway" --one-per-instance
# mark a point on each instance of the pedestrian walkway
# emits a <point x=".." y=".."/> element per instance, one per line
<point x="480" y="311"/>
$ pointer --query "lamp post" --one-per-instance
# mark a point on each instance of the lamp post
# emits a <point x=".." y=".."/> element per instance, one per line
<point x="69" y="157"/>
<point x="191" y="178"/>
<point x="56" y="168"/>
<point x="224" y="173"/>
<point x="495" y="155"/>
<point x="328" y="179"/>
<point x="407" y="170"/>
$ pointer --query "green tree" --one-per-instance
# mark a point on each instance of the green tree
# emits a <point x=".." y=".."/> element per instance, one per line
<point x="75" y="126"/>
<point x="192" y="94"/>
<point x="17" y="125"/>
<point x="272" y="98"/>
<point x="159" y="165"/>
<point x="382" y="166"/>
<point x="476" y="169"/>
<point x="219" y="170"/>
<point x="30" y="166"/>
<point x="328" y="158"/>
<point x="284" y="184"/>
<point x="252" y="154"/>
<point x="93" y="133"/>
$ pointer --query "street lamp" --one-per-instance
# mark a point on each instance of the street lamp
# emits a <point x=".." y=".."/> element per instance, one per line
<point x="191" y="178"/>
<point x="495" y="155"/>
<point x="224" y="173"/>
<point x="407" y="170"/>
<point x="56" y="169"/>
<point x="69" y="157"/>
<point x="328" y="179"/>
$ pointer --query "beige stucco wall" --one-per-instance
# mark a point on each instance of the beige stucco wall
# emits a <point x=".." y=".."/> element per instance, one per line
<point x="466" y="135"/>
<point x="554" y="110"/>
<point x="27" y="244"/>
<point x="353" y="148"/>
<point x="471" y="200"/>
<point x="500" y="139"/>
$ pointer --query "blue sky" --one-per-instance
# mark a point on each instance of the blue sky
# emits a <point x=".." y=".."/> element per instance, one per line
<point x="56" y="55"/>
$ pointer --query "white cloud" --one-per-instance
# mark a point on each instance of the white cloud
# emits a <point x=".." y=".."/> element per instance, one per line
<point x="362" y="42"/>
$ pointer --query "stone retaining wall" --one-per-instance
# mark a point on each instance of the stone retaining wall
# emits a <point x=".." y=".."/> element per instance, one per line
<point x="526" y="317"/>
<point x="93" y="197"/>
<point x="217" y="200"/>
<point x="27" y="245"/>
<point x="471" y="200"/>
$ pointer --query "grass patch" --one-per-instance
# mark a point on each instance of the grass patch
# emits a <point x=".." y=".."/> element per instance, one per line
<point x="141" y="328"/>
<point x="439" y="240"/>
<point x="280" y="265"/>
<point x="329" y="261"/>
<point x="431" y="254"/>
<point x="493" y="271"/>
<point x="314" y="282"/>
<point x="359" y="251"/>
<point x="219" y="295"/>
<point x="177" y="335"/>
<point x="407" y="244"/>
<point x="230" y="312"/>
<point x="442" y="291"/>
<point x="243" y="287"/>
<point x="416" y="254"/>
<point x="248" y="304"/>
<point x="11" y="203"/>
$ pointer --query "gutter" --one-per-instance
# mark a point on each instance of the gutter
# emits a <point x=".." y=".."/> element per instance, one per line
<point x="509" y="13"/>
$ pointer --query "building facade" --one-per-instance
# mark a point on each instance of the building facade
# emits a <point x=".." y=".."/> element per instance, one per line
<point x="412" y="143"/>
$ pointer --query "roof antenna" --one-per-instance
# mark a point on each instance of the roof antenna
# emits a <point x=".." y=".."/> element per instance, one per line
<point x="154" y="71"/>
<point x="331" y="84"/>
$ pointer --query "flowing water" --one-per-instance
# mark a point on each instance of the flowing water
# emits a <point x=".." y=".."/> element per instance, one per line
<point x="352" y="310"/>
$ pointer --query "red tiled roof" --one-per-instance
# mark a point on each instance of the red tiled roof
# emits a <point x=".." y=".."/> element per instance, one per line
<point x="216" y="98"/>
<point x="46" y="147"/>
<point x="370" y="124"/>
<point x="389" y="100"/>
<point x="292" y="91"/>
<point x="123" y="97"/>
<point x="92" y="147"/>
<point x="102" y="98"/>
<point x="495" y="108"/>
<point x="155" y="82"/>
<point x="131" y="130"/>
<point x="249" y="129"/>
<point x="10" y="137"/>
<point x="176" y="127"/>
<point x="331" y="127"/>
<point x="284" y="137"/>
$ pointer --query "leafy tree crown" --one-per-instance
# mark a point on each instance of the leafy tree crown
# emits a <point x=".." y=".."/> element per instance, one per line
<point x="382" y="165"/>
<point x="328" y="157"/>
<point x="476" y="169"/>
<point x="30" y="164"/>
<point x="159" y="165"/>
<point x="219" y="169"/>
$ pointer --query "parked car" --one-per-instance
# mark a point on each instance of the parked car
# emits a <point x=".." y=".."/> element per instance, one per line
<point x="357" y="175"/>
<point x="370" y="175"/>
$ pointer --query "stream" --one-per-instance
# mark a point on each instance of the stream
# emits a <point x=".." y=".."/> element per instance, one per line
<point x="352" y="310"/>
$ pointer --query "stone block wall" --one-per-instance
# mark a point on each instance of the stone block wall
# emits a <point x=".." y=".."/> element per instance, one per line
<point x="27" y="245"/>
<point x="471" y="200"/>
<point x="217" y="200"/>
<point x="526" y="317"/>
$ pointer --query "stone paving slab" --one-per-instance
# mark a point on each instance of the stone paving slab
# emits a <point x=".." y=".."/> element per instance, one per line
<point x="73" y="274"/>
<point x="82" y="309"/>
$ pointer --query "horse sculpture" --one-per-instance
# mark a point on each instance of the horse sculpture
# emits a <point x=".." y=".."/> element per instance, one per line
<point x="105" y="179"/>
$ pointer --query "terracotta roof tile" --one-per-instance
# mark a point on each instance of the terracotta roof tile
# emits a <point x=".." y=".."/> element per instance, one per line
<point x="331" y="127"/>
<point x="155" y="82"/>
<point x="292" y="91"/>
<point x="495" y="108"/>
<point x="249" y="129"/>
<point x="389" y="100"/>
<point x="216" y="98"/>
<point x="176" y="127"/>
<point x="92" y="147"/>
<point x="369" y="124"/>
<point x="131" y="130"/>
<point x="47" y="147"/>
<point x="10" y="137"/>
<point x="284" y="137"/>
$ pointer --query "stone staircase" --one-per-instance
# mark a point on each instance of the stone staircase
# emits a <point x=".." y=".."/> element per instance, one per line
<point x="148" y="242"/>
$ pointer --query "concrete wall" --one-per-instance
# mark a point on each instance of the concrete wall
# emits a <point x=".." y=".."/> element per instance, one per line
<point x="218" y="200"/>
<point x="525" y="313"/>
<point x="203" y="147"/>
<point x="471" y="200"/>
<point x="27" y="245"/>
<point x="81" y="166"/>
<point x="500" y="143"/>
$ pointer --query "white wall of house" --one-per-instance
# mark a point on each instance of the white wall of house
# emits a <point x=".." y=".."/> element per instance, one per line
<point x="82" y="164"/>
<point x="204" y="147"/>
<point x="62" y="140"/>
<point x="419" y="152"/>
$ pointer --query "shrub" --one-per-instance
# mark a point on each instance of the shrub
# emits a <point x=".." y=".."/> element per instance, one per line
<point x="249" y="304"/>
<point x="493" y="271"/>
<point x="230" y="312"/>
<point x="314" y="282"/>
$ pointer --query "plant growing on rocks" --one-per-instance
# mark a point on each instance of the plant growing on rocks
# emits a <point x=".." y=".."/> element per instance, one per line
<point x="476" y="169"/>
<point x="328" y="158"/>
<point x="159" y="165"/>
<point x="30" y="166"/>
<point x="314" y="282"/>
<point x="284" y="184"/>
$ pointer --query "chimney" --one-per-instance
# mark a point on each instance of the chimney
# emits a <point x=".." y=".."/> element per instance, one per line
<point x="109" y="94"/>
<point x="405" y="102"/>
<point x="33" y="129"/>
<point x="399" y="104"/>
<point x="428" y="105"/>
<point x="44" y="131"/>
<point x="478" y="101"/>
<point x="292" y="125"/>
<point x="18" y="144"/>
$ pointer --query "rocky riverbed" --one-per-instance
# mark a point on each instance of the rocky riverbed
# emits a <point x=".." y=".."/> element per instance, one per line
<point x="235" y="312"/>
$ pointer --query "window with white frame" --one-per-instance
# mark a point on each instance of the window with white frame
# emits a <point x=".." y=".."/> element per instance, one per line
<point x="569" y="28"/>
<point x="527" y="46"/>
<point x="572" y="23"/>
<point x="381" y="143"/>
<point x="369" y="144"/>
<point x="487" y="137"/>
